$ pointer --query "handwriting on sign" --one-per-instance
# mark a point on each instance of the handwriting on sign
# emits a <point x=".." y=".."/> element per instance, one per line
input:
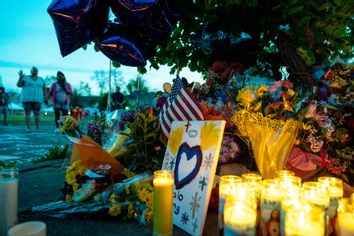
<point x="176" y="209"/>
<point x="178" y="196"/>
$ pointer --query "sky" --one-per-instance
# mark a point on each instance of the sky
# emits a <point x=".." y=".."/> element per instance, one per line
<point x="27" y="38"/>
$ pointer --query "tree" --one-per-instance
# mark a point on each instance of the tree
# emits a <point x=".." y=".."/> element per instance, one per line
<point x="84" y="89"/>
<point x="102" y="79"/>
<point x="295" y="33"/>
<point x="49" y="79"/>
<point x="137" y="85"/>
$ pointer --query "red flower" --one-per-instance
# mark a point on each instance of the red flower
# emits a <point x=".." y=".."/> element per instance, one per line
<point x="74" y="124"/>
<point x="85" y="113"/>
<point x="275" y="105"/>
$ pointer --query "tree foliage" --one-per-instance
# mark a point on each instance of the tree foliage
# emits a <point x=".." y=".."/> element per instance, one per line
<point x="316" y="29"/>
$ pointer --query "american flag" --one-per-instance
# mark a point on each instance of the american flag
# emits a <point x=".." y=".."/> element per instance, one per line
<point x="181" y="105"/>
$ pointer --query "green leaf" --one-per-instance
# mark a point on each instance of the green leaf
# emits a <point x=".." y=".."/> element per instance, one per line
<point x="116" y="64"/>
<point x="295" y="10"/>
<point x="142" y="70"/>
<point x="84" y="46"/>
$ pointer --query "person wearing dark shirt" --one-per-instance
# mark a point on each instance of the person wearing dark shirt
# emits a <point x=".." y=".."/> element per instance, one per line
<point x="4" y="99"/>
<point x="117" y="100"/>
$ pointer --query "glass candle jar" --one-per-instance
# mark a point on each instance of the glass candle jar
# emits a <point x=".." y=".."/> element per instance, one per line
<point x="304" y="220"/>
<point x="227" y="185"/>
<point x="240" y="217"/>
<point x="271" y="196"/>
<point x="8" y="198"/>
<point x="335" y="188"/>
<point x="345" y="220"/>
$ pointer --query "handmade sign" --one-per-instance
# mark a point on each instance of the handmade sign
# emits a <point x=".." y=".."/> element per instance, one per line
<point x="192" y="154"/>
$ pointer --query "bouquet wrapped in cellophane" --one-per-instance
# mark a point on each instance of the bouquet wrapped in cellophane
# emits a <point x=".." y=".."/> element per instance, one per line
<point x="271" y="140"/>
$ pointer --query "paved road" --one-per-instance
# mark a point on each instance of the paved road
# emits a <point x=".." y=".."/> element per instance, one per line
<point x="16" y="144"/>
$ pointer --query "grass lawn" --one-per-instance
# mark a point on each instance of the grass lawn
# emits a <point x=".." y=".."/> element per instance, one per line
<point x="19" y="119"/>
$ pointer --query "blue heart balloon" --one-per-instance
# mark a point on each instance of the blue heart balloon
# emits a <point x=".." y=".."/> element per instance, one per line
<point x="190" y="152"/>
<point x="77" y="22"/>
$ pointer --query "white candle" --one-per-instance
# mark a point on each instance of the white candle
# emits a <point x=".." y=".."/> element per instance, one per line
<point x="31" y="228"/>
<point x="240" y="218"/>
<point x="8" y="199"/>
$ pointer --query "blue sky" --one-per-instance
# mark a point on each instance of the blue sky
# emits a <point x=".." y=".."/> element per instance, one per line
<point x="27" y="38"/>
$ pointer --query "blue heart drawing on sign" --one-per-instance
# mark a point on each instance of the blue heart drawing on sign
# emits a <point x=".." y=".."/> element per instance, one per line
<point x="189" y="153"/>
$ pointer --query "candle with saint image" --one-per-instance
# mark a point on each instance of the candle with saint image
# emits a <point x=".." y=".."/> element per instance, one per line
<point x="335" y="188"/>
<point x="271" y="197"/>
<point x="304" y="220"/>
<point x="226" y="186"/>
<point x="163" y="203"/>
<point x="345" y="217"/>
<point x="240" y="217"/>
<point x="8" y="199"/>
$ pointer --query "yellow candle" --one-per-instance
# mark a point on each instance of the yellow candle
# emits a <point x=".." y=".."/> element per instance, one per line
<point x="254" y="181"/>
<point x="335" y="187"/>
<point x="240" y="218"/>
<point x="304" y="220"/>
<point x="282" y="173"/>
<point x="226" y="186"/>
<point x="163" y="203"/>
<point x="271" y="196"/>
<point x="316" y="193"/>
<point x="345" y="217"/>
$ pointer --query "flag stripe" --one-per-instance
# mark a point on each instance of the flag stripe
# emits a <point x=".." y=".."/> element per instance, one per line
<point x="181" y="105"/>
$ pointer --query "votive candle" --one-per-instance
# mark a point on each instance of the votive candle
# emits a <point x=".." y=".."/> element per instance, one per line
<point x="226" y="186"/>
<point x="304" y="220"/>
<point x="345" y="217"/>
<point x="163" y="203"/>
<point x="240" y="217"/>
<point x="8" y="198"/>
<point x="335" y="188"/>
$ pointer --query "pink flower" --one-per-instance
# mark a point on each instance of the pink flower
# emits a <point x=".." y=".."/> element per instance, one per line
<point x="157" y="148"/>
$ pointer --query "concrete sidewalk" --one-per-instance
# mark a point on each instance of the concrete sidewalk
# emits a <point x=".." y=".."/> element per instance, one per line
<point x="41" y="183"/>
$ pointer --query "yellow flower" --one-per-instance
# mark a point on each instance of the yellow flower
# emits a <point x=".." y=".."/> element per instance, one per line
<point x="246" y="97"/>
<point x="290" y="93"/>
<point x="114" y="210"/>
<point x="148" y="215"/>
<point x="131" y="212"/>
<point x="306" y="126"/>
<point x="143" y="195"/>
<point x="113" y="198"/>
<point x="258" y="106"/>
<point x="127" y="189"/>
<point x="261" y="91"/>
<point x="150" y="199"/>
<point x="68" y="197"/>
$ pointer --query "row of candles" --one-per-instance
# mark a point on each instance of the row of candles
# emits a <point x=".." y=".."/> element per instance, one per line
<point x="249" y="205"/>
<point x="284" y="205"/>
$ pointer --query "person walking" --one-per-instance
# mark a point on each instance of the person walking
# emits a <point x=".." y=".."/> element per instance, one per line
<point x="32" y="96"/>
<point x="59" y="93"/>
<point x="4" y="103"/>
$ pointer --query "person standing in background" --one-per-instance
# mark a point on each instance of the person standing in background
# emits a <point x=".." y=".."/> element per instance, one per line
<point x="117" y="100"/>
<point x="4" y="103"/>
<point x="32" y="96"/>
<point x="60" y="96"/>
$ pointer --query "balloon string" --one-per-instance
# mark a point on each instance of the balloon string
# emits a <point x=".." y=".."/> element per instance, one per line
<point x="177" y="72"/>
